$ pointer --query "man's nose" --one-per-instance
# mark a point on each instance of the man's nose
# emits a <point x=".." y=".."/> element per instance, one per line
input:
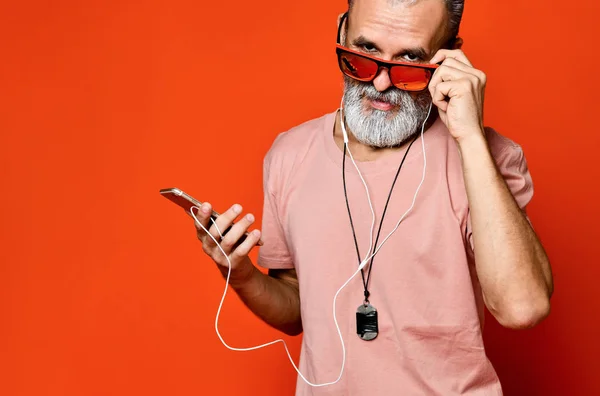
<point x="382" y="81"/>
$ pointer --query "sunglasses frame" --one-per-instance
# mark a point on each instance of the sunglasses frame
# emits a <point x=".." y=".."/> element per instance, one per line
<point x="381" y="63"/>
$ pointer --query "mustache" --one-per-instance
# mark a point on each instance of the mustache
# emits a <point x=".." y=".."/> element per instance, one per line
<point x="392" y="95"/>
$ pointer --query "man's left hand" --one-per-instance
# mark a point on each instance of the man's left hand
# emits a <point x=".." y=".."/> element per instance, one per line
<point x="458" y="90"/>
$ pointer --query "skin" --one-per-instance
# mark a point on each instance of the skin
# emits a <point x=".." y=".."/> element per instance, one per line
<point x="275" y="298"/>
<point x="511" y="263"/>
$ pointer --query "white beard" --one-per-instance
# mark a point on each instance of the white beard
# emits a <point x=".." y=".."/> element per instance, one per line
<point x="377" y="128"/>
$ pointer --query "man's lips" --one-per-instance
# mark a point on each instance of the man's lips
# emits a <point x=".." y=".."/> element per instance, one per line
<point x="380" y="105"/>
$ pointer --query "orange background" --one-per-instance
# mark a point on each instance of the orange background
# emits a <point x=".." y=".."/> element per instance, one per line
<point x="104" y="288"/>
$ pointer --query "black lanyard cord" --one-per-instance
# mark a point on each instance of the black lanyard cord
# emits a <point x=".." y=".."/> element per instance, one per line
<point x="366" y="281"/>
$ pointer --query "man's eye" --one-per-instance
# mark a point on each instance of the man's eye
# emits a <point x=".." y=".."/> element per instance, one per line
<point x="411" y="57"/>
<point x="369" y="47"/>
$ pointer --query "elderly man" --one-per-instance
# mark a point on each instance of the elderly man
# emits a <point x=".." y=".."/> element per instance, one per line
<point x="412" y="119"/>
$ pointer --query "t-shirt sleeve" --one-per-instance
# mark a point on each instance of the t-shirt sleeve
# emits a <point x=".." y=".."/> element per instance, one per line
<point x="512" y="164"/>
<point x="274" y="254"/>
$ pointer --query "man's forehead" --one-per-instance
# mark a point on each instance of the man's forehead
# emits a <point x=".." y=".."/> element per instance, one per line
<point x="425" y="20"/>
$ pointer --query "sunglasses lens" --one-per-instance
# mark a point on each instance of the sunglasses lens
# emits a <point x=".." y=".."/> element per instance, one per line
<point x="410" y="78"/>
<point x="357" y="67"/>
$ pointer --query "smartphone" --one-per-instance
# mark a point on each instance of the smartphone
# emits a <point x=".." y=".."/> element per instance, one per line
<point x="187" y="202"/>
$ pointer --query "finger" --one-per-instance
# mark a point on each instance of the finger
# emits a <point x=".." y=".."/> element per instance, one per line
<point x="205" y="237"/>
<point x="451" y="62"/>
<point x="201" y="216"/>
<point x="235" y="233"/>
<point x="449" y="89"/>
<point x="439" y="95"/>
<point x="446" y="73"/>
<point x="455" y="63"/>
<point x="244" y="248"/>
<point x="225" y="220"/>
<point x="444" y="54"/>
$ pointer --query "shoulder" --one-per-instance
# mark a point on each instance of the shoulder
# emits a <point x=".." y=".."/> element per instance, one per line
<point x="290" y="147"/>
<point x="298" y="137"/>
<point x="505" y="151"/>
<point x="511" y="162"/>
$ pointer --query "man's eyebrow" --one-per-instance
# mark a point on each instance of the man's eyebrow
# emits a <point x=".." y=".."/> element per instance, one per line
<point x="362" y="41"/>
<point x="416" y="52"/>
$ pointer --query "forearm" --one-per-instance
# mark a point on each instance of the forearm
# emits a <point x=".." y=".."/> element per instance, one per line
<point x="273" y="300"/>
<point x="511" y="263"/>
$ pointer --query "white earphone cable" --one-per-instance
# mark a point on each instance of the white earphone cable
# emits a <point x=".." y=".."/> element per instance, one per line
<point x="416" y="192"/>
<point x="361" y="266"/>
<point x="279" y="340"/>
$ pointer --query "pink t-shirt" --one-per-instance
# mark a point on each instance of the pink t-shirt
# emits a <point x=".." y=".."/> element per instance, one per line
<point x="423" y="282"/>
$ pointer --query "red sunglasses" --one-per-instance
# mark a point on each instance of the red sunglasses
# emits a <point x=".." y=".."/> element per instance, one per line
<point x="359" y="66"/>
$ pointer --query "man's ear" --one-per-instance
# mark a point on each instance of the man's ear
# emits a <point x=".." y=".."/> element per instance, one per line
<point x="343" y="32"/>
<point x="340" y="19"/>
<point x="458" y="43"/>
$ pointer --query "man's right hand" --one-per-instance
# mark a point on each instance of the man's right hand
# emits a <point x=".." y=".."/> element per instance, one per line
<point x="241" y="266"/>
<point x="275" y="298"/>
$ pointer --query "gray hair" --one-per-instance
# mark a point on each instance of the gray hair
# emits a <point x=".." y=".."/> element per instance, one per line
<point x="455" y="12"/>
